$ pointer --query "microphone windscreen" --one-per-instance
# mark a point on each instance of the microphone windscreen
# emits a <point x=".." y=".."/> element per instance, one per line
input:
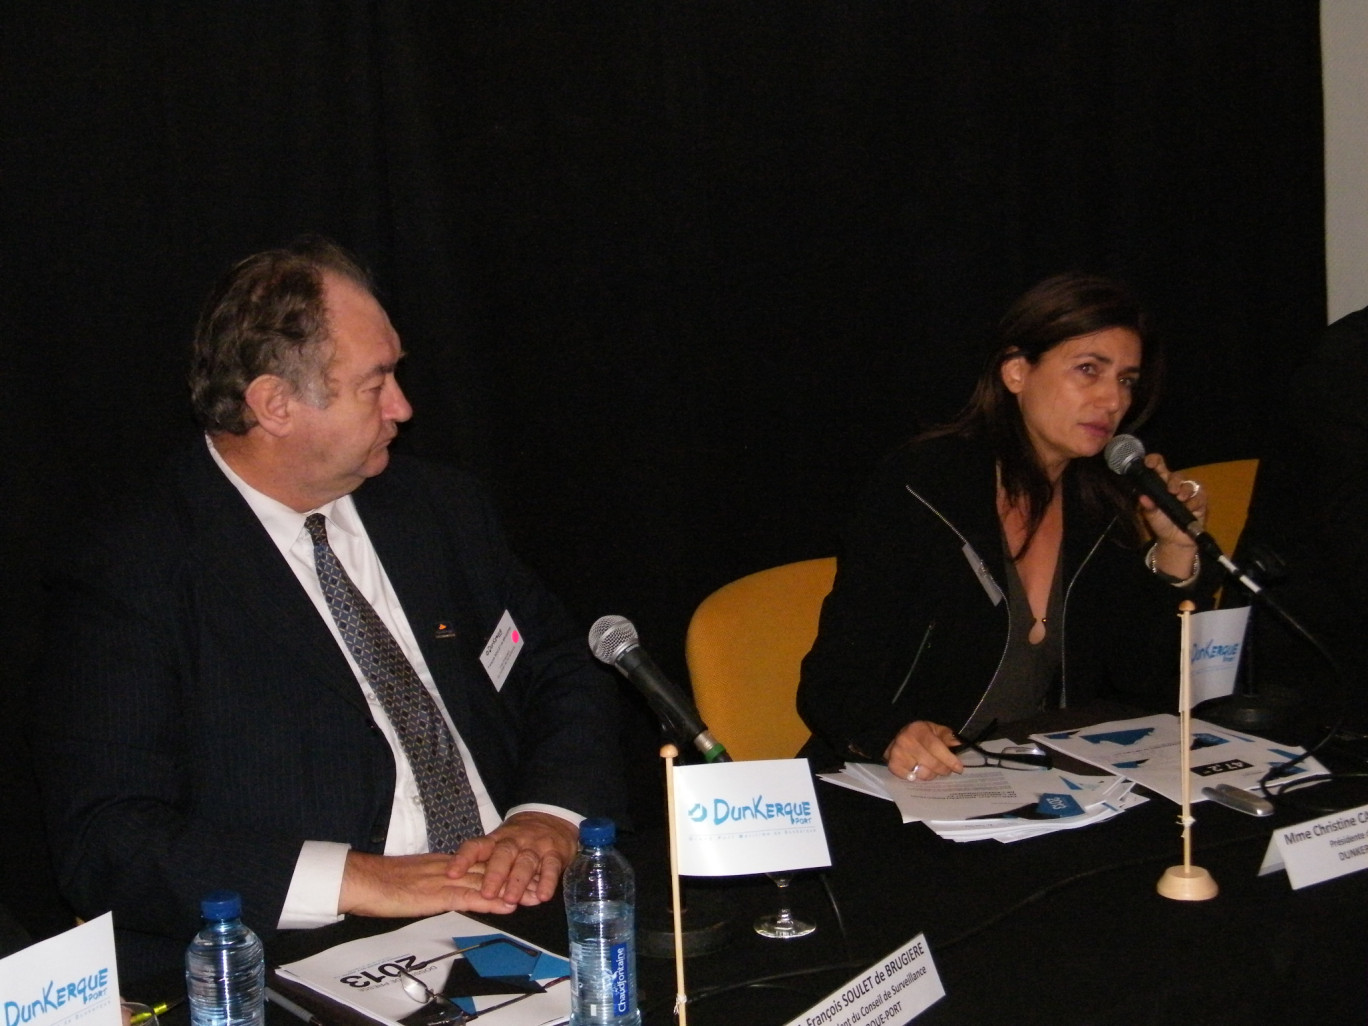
<point x="1122" y="451"/>
<point x="610" y="637"/>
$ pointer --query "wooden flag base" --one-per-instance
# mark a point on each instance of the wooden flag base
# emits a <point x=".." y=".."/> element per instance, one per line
<point x="1187" y="883"/>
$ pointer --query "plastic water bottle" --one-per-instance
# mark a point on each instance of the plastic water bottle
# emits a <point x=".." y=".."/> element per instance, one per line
<point x="225" y="967"/>
<point x="600" y="904"/>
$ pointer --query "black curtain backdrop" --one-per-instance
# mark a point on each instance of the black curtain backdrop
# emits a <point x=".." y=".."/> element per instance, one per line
<point x="672" y="275"/>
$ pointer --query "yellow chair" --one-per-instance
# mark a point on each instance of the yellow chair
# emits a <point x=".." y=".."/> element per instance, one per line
<point x="1229" y="486"/>
<point x="744" y="648"/>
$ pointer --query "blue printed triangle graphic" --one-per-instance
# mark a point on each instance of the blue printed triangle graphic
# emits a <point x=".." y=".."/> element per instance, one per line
<point x="1119" y="737"/>
<point x="1293" y="771"/>
<point x="490" y="964"/>
<point x="1206" y="741"/>
<point x="504" y="957"/>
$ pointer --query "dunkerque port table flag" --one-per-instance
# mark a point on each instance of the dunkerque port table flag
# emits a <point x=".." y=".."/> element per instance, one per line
<point x="735" y="818"/>
<point x="64" y="979"/>
<point x="1217" y="638"/>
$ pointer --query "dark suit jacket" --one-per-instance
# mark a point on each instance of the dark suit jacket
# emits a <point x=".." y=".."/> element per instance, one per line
<point x="198" y="722"/>
<point x="1307" y="509"/>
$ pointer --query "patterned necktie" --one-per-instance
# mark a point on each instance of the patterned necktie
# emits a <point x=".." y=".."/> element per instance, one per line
<point x="448" y="802"/>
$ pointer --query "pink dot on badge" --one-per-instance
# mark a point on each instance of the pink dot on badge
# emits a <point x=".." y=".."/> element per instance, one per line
<point x="515" y="637"/>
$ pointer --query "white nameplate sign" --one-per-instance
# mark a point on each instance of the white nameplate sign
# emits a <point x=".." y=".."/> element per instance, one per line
<point x="893" y="991"/>
<point x="64" y="979"/>
<point x="1320" y="849"/>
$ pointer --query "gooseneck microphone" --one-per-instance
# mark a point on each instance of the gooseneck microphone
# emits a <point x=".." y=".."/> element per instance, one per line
<point x="1125" y="455"/>
<point x="613" y="640"/>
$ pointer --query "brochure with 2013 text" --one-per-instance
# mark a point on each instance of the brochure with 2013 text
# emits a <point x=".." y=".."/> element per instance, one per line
<point x="439" y="971"/>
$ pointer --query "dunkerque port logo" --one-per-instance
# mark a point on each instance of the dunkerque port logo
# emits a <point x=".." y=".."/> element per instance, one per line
<point x="1218" y="653"/>
<point x="758" y="810"/>
<point x="53" y="997"/>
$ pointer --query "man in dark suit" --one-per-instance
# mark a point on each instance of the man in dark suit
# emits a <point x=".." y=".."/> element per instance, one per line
<point x="1307" y="510"/>
<point x="306" y="671"/>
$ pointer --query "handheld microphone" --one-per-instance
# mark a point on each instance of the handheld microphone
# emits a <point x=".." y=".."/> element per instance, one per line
<point x="1125" y="455"/>
<point x="613" y="640"/>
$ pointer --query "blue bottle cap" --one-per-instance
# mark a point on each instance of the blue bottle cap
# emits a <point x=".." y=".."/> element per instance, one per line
<point x="221" y="905"/>
<point x="596" y="831"/>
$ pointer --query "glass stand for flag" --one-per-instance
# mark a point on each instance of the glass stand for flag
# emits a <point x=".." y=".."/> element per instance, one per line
<point x="782" y="925"/>
<point x="751" y="818"/>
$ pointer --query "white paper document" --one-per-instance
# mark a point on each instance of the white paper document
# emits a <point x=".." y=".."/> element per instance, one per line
<point x="445" y="969"/>
<point x="993" y="802"/>
<point x="1146" y="750"/>
<point x="1099" y="798"/>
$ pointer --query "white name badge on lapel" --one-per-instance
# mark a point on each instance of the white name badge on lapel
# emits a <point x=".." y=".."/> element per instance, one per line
<point x="980" y="569"/>
<point x="501" y="650"/>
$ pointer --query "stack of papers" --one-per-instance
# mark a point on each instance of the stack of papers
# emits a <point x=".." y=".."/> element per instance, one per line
<point x="992" y="802"/>
<point x="1146" y="750"/>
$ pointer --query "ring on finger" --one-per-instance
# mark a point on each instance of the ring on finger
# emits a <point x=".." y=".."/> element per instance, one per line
<point x="1195" y="485"/>
<point x="913" y="774"/>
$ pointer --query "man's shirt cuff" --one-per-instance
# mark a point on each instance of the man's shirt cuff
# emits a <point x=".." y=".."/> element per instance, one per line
<point x="316" y="887"/>
<point x="574" y="818"/>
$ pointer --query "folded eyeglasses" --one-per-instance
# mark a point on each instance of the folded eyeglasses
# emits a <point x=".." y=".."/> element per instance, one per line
<point x="1012" y="757"/>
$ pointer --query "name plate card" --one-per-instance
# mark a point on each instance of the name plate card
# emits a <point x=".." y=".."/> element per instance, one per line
<point x="893" y="991"/>
<point x="1320" y="849"/>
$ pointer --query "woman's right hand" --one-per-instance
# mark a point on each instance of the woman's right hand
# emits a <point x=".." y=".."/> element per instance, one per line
<point x="921" y="751"/>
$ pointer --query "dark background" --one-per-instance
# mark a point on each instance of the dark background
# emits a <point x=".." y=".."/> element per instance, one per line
<point x="671" y="275"/>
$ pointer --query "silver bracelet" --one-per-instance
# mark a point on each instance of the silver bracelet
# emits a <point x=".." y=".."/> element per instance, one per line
<point x="1153" y="568"/>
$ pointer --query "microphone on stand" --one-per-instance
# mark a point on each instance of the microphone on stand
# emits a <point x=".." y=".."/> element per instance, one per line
<point x="705" y="926"/>
<point x="614" y="641"/>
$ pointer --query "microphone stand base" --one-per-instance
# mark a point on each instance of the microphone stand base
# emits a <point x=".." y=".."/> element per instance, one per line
<point x="1268" y="712"/>
<point x="704" y="931"/>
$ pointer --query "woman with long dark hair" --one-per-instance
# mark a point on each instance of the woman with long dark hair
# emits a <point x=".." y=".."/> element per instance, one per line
<point x="995" y="566"/>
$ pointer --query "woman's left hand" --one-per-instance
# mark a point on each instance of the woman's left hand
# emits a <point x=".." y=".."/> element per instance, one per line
<point x="1176" y="550"/>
